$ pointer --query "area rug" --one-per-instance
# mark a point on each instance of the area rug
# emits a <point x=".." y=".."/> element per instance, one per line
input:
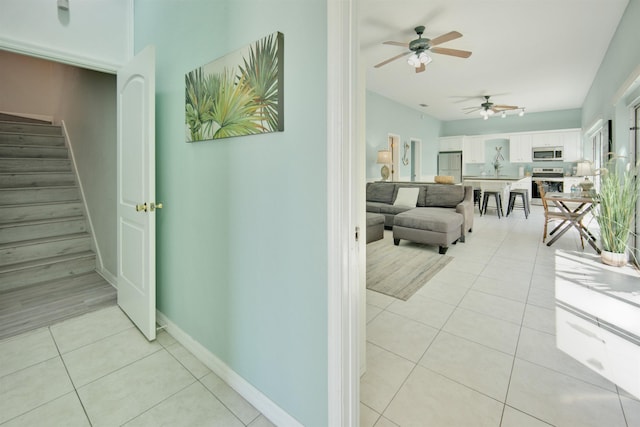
<point x="399" y="271"/>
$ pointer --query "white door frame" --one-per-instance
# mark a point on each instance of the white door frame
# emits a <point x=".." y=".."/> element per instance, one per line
<point x="343" y="157"/>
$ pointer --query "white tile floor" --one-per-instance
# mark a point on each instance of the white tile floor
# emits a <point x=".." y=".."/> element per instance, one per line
<point x="476" y="345"/>
<point x="98" y="370"/>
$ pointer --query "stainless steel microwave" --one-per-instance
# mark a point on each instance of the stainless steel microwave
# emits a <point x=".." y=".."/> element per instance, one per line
<point x="547" y="154"/>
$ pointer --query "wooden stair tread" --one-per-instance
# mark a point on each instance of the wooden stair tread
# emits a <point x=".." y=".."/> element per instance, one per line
<point x="41" y="221"/>
<point x="71" y="236"/>
<point x="45" y="261"/>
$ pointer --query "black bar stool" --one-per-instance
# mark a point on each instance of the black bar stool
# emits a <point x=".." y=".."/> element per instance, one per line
<point x="498" y="197"/>
<point x="477" y="198"/>
<point x="513" y="195"/>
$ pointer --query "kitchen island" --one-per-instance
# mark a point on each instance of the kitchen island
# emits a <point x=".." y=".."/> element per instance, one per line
<point x="499" y="183"/>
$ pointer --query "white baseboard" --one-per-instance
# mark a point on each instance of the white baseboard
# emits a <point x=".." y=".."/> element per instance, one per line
<point x="262" y="403"/>
<point x="108" y="276"/>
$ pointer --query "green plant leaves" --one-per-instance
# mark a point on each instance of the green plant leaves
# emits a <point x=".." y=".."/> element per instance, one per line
<point x="235" y="103"/>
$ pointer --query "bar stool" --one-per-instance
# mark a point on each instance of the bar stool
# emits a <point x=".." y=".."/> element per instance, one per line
<point x="477" y="198"/>
<point x="498" y="197"/>
<point x="513" y="195"/>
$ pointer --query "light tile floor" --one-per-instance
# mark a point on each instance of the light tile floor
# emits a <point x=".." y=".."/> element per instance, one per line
<point x="476" y="345"/>
<point x="98" y="370"/>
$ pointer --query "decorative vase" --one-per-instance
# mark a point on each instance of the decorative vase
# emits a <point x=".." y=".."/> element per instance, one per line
<point x="613" y="258"/>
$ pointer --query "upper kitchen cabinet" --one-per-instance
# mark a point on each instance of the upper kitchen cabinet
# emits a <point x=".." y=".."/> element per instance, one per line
<point x="546" y="139"/>
<point x="473" y="149"/>
<point x="451" y="143"/>
<point x="520" y="148"/>
<point x="572" y="143"/>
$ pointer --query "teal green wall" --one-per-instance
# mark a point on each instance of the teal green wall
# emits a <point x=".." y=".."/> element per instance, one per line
<point x="242" y="238"/>
<point x="384" y="117"/>
<point x="620" y="62"/>
<point x="549" y="120"/>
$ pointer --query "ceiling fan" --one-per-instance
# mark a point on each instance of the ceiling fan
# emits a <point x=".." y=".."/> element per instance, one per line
<point x="488" y="108"/>
<point x="418" y="49"/>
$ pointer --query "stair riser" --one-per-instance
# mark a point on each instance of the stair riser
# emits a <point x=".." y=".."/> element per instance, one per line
<point x="31" y="129"/>
<point x="32" y="151"/>
<point x="35" y="165"/>
<point x="43" y="273"/>
<point x="23" y="253"/>
<point x="19" y="196"/>
<point x="9" y="214"/>
<point x="50" y="179"/>
<point x="38" y="231"/>
<point x="20" y="139"/>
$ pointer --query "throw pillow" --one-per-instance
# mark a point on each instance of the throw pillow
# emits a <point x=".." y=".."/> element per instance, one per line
<point x="407" y="197"/>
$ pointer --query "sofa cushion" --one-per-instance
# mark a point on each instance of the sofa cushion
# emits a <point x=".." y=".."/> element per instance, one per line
<point x="443" y="195"/>
<point x="431" y="219"/>
<point x="374" y="219"/>
<point x="375" y="206"/>
<point x="393" y="210"/>
<point x="407" y="196"/>
<point x="380" y="192"/>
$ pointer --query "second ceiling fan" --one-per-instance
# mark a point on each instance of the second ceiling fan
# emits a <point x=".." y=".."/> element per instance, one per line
<point x="418" y="49"/>
<point x="488" y="108"/>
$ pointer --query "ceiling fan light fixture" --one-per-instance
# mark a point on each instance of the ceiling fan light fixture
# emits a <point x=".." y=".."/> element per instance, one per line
<point x="424" y="58"/>
<point x="413" y="60"/>
<point x="486" y="117"/>
<point x="504" y="114"/>
<point x="521" y="113"/>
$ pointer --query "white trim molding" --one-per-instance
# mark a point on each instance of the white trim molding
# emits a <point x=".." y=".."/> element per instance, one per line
<point x="342" y="215"/>
<point x="262" y="403"/>
<point x="96" y="247"/>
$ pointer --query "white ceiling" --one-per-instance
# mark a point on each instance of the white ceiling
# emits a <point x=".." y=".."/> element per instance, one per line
<point x="538" y="54"/>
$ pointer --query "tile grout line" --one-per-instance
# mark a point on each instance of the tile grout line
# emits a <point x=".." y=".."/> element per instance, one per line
<point x="198" y="380"/>
<point x="75" y="390"/>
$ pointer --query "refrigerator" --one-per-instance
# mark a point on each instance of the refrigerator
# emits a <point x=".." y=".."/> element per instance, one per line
<point x="450" y="163"/>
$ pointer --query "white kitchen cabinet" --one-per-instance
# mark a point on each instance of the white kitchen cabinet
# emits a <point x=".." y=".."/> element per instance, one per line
<point x="451" y="143"/>
<point x="572" y="143"/>
<point x="520" y="148"/>
<point x="546" y="139"/>
<point x="473" y="149"/>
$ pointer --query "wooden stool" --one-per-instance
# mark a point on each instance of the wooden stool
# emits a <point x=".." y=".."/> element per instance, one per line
<point x="498" y="197"/>
<point x="513" y="195"/>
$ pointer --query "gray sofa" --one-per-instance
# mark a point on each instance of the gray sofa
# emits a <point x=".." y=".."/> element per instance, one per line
<point x="381" y="196"/>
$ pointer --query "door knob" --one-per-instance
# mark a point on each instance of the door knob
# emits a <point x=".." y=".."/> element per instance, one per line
<point x="155" y="206"/>
<point x="141" y="208"/>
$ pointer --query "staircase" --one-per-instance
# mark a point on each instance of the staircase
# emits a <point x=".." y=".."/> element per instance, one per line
<point x="46" y="257"/>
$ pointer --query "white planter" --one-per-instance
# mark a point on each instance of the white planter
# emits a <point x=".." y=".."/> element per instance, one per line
<point x="613" y="258"/>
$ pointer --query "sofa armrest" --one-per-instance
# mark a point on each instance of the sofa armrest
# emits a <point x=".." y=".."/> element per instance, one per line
<point x="465" y="208"/>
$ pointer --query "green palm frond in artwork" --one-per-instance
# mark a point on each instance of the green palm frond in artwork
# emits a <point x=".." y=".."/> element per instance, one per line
<point x="234" y="113"/>
<point x="198" y="103"/>
<point x="260" y="71"/>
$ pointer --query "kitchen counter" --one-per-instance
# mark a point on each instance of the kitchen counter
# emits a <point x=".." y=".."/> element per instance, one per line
<point x="493" y="178"/>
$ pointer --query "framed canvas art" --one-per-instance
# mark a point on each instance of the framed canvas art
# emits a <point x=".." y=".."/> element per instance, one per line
<point x="238" y="94"/>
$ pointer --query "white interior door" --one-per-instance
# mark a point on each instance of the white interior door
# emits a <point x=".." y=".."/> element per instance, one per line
<point x="136" y="192"/>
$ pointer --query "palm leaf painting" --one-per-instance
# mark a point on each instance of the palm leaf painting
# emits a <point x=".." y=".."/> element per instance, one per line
<point x="238" y="94"/>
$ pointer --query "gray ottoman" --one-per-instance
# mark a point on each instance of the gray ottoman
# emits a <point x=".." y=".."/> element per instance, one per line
<point x="375" y="227"/>
<point x="431" y="226"/>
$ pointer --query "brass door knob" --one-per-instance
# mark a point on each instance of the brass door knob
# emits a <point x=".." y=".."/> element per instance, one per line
<point x="141" y="208"/>
<point x="155" y="206"/>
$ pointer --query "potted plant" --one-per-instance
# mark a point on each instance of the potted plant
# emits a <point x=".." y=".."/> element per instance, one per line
<point x="615" y="210"/>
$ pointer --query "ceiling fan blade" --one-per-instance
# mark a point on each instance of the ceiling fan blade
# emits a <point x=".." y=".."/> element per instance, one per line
<point x="420" y="69"/>
<point x="505" y="107"/>
<point x="451" y="35"/>
<point x="391" y="59"/>
<point x="451" y="52"/>
<point x="472" y="109"/>
<point x="397" y="44"/>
